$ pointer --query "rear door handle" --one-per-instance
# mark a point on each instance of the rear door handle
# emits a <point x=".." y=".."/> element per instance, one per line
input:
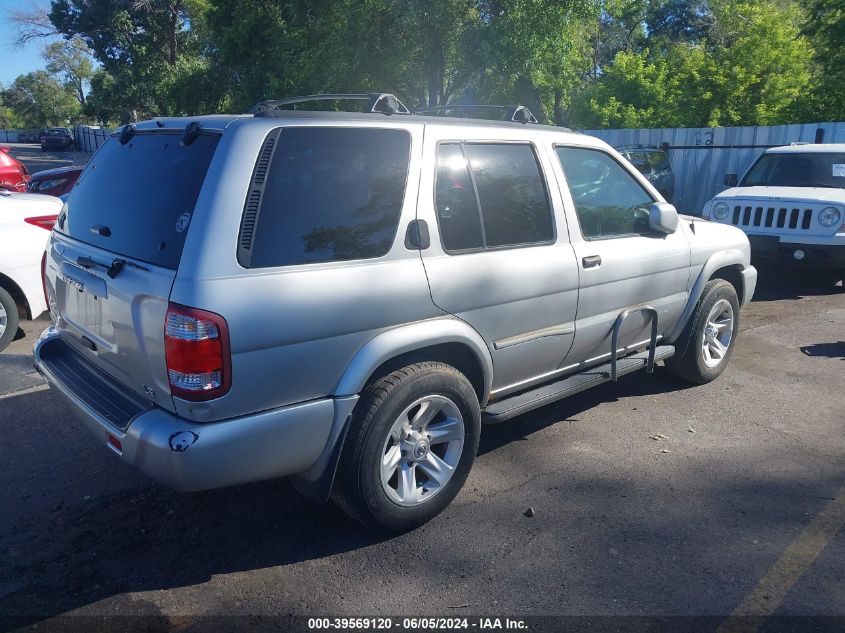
<point x="591" y="261"/>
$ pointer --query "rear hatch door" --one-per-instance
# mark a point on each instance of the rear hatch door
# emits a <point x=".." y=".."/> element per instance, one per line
<point x="115" y="250"/>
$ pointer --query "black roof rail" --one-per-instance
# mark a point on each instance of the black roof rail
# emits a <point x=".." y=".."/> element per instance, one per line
<point x="637" y="146"/>
<point x="515" y="113"/>
<point x="382" y="102"/>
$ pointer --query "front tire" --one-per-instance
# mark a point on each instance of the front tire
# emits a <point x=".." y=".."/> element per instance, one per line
<point x="8" y="319"/>
<point x="410" y="446"/>
<point x="706" y="344"/>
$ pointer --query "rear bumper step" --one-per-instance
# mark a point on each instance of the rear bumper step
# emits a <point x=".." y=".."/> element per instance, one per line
<point x="546" y="394"/>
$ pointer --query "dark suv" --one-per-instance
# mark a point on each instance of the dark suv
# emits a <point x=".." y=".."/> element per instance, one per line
<point x="56" y="138"/>
<point x="654" y="164"/>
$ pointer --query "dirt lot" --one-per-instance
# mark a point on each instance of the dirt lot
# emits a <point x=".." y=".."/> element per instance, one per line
<point x="744" y="513"/>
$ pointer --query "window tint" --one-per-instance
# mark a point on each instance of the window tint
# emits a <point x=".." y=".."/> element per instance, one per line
<point x="608" y="200"/>
<point x="797" y="170"/>
<point x="457" y="208"/>
<point x="659" y="160"/>
<point x="144" y="192"/>
<point x="332" y="194"/>
<point x="511" y="194"/>
<point x="640" y="161"/>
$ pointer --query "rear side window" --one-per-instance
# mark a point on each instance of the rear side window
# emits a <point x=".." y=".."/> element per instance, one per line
<point x="659" y="160"/>
<point x="512" y="206"/>
<point x="137" y="199"/>
<point x="640" y="161"/>
<point x="331" y="194"/>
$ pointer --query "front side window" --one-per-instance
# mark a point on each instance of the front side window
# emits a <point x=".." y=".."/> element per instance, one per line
<point x="491" y="195"/>
<point x="608" y="200"/>
<point x="332" y="194"/>
<point x="810" y="169"/>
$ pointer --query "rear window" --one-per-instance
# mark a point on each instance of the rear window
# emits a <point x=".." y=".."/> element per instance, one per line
<point x="142" y="194"/>
<point x="331" y="194"/>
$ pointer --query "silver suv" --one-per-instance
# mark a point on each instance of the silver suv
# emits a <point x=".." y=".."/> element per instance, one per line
<point x="346" y="297"/>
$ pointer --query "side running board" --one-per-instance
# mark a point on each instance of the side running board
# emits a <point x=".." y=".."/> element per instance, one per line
<point x="551" y="392"/>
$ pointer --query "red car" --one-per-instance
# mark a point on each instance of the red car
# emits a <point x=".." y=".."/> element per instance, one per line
<point x="13" y="173"/>
<point x="54" y="182"/>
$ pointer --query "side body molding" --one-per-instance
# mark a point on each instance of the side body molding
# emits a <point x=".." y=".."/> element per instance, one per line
<point x="409" y="338"/>
<point x="721" y="259"/>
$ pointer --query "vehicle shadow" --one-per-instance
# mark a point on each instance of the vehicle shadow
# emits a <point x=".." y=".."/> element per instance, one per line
<point x="494" y="436"/>
<point x="153" y="538"/>
<point x="831" y="350"/>
<point x="776" y="282"/>
<point x="81" y="550"/>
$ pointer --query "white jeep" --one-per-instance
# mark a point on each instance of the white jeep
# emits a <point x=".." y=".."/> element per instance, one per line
<point x="791" y="203"/>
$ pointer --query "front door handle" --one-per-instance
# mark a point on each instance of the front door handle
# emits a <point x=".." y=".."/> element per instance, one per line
<point x="591" y="261"/>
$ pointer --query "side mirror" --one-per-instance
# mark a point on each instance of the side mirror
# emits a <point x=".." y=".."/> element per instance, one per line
<point x="663" y="217"/>
<point x="731" y="180"/>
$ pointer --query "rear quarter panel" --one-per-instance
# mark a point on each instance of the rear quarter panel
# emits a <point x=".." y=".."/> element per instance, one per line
<point x="293" y="330"/>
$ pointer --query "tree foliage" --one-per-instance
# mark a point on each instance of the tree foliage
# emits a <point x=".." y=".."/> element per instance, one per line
<point x="39" y="100"/>
<point x="71" y="60"/>
<point x="585" y="63"/>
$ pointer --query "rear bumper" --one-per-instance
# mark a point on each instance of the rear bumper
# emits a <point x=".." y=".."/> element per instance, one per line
<point x="179" y="453"/>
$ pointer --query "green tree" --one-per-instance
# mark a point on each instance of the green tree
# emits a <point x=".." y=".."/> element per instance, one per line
<point x="9" y="119"/>
<point x="824" y="24"/>
<point x="151" y="49"/>
<point x="752" y="67"/>
<point x="39" y="100"/>
<point x="71" y="60"/>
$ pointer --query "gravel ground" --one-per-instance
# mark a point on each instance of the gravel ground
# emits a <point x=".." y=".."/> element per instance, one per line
<point x="744" y="512"/>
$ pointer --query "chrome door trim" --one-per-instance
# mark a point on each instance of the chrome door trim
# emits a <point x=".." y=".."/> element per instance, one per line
<point x="554" y="330"/>
<point x="530" y="382"/>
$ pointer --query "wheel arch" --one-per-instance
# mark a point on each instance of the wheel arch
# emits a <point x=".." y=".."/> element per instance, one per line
<point x="733" y="275"/>
<point x="9" y="285"/>
<point x="728" y="265"/>
<point x="448" y="340"/>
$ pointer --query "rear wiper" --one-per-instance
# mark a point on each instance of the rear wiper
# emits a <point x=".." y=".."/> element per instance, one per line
<point x="112" y="270"/>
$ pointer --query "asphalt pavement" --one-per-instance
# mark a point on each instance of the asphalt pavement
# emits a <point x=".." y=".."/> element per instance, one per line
<point x="650" y="497"/>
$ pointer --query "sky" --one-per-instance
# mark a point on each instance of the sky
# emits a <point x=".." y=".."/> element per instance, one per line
<point x="14" y="62"/>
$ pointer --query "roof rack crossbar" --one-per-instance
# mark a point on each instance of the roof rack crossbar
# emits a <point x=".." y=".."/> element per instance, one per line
<point x="378" y="102"/>
<point x="515" y="113"/>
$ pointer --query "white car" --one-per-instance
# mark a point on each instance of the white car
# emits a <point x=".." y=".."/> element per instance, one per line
<point x="25" y="223"/>
<point x="791" y="203"/>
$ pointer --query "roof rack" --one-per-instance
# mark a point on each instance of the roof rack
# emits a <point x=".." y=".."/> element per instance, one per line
<point x="377" y="102"/>
<point x="515" y="113"/>
<point x="637" y="146"/>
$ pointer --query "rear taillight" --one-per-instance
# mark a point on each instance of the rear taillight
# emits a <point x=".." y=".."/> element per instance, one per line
<point x="196" y="348"/>
<point x="43" y="221"/>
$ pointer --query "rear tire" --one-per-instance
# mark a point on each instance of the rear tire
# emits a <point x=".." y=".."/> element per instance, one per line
<point x="9" y="319"/>
<point x="410" y="446"/>
<point x="706" y="344"/>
